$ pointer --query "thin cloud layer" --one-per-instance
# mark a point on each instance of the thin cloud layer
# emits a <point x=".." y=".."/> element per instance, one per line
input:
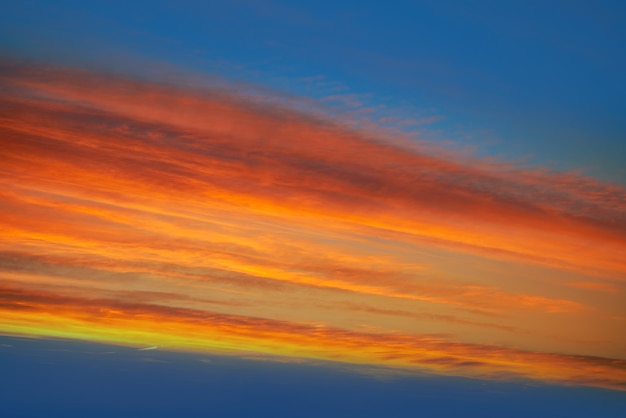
<point x="201" y="200"/>
<point x="194" y="329"/>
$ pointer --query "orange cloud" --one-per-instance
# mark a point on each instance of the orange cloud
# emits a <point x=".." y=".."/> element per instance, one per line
<point x="192" y="201"/>
<point x="137" y="323"/>
<point x="596" y="286"/>
<point x="274" y="161"/>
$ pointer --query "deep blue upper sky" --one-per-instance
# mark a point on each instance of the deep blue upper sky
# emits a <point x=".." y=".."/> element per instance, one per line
<point x="526" y="80"/>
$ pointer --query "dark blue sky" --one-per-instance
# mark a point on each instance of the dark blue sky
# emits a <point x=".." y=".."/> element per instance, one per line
<point x="60" y="378"/>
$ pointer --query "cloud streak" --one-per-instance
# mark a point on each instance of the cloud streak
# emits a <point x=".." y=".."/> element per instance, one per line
<point x="198" y="330"/>
<point x="273" y="160"/>
<point x="187" y="201"/>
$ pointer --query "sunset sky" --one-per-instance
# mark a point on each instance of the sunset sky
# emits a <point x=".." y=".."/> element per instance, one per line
<point x="419" y="202"/>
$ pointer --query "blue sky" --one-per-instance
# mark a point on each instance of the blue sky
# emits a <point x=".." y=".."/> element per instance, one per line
<point x="60" y="378"/>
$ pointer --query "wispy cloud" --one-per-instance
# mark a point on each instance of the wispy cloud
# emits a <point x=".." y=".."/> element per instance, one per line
<point x="276" y="161"/>
<point x="193" y="329"/>
<point x="187" y="201"/>
<point x="597" y="286"/>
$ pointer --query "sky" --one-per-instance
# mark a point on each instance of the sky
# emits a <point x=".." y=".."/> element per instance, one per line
<point x="337" y="209"/>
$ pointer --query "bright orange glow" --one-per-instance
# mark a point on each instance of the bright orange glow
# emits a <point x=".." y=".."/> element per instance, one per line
<point x="135" y="212"/>
<point x="110" y="321"/>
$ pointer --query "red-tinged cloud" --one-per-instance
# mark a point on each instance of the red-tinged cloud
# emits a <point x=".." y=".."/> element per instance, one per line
<point x="197" y="200"/>
<point x="153" y="139"/>
<point x="189" y="328"/>
<point x="596" y="286"/>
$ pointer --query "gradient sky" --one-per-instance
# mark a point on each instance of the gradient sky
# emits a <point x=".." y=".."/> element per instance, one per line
<point x="401" y="194"/>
